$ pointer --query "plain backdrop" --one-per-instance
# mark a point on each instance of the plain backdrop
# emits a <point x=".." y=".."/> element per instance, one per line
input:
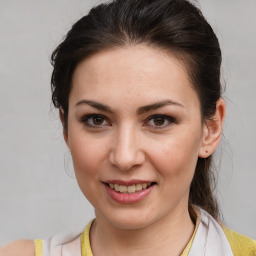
<point x="39" y="195"/>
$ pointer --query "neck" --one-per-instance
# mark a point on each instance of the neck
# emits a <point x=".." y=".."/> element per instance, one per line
<point x="167" y="236"/>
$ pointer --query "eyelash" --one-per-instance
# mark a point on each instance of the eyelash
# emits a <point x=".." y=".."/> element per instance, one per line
<point x="169" y="119"/>
<point x="86" y="119"/>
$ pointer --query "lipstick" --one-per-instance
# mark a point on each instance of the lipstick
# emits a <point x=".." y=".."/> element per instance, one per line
<point x="128" y="192"/>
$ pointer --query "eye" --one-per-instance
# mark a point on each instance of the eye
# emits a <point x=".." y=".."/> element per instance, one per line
<point x="160" y="121"/>
<point x="94" y="120"/>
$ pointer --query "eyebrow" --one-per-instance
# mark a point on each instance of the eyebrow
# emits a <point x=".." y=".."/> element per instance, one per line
<point x="95" y="104"/>
<point x="157" y="105"/>
<point x="140" y="111"/>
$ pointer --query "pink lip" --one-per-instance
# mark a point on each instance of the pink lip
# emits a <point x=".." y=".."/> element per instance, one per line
<point x="125" y="198"/>
<point x="127" y="183"/>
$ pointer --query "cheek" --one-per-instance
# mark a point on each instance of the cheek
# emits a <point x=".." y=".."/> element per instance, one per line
<point x="176" y="158"/>
<point x="88" y="155"/>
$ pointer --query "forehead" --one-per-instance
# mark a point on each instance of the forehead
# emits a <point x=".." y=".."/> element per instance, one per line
<point x="141" y="72"/>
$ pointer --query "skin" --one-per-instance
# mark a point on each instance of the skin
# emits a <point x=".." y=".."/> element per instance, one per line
<point x="19" y="248"/>
<point x="125" y="144"/>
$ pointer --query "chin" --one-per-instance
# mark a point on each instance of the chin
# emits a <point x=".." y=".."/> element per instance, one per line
<point x="130" y="224"/>
<point x="129" y="220"/>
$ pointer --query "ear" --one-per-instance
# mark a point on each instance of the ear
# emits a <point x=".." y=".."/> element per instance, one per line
<point x="65" y="132"/>
<point x="212" y="131"/>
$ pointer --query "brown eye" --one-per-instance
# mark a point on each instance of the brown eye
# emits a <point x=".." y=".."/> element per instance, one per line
<point x="159" y="121"/>
<point x="94" y="121"/>
<point x="97" y="120"/>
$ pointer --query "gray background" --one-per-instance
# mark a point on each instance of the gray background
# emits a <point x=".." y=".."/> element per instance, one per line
<point x="38" y="192"/>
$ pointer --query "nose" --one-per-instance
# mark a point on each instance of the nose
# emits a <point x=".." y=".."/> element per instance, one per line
<point x="126" y="151"/>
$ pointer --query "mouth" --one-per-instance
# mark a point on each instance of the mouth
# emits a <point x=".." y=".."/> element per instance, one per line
<point x="129" y="192"/>
<point x="130" y="189"/>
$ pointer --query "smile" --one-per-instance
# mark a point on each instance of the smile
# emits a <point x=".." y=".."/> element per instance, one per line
<point x="129" y="189"/>
<point x="129" y="192"/>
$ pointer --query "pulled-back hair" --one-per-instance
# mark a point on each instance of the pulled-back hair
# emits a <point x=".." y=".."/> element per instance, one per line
<point x="177" y="26"/>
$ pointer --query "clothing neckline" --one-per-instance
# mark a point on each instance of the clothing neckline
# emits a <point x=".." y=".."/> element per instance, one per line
<point x="86" y="245"/>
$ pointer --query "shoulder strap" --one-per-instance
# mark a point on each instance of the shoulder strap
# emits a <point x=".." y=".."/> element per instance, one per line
<point x="85" y="241"/>
<point x="38" y="247"/>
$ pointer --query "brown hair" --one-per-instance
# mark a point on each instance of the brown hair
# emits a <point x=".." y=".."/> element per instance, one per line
<point x="177" y="26"/>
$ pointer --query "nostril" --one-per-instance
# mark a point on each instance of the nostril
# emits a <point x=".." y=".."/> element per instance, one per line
<point x="126" y="160"/>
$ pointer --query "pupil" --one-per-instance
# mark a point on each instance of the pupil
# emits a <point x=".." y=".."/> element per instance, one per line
<point x="159" y="121"/>
<point x="97" y="120"/>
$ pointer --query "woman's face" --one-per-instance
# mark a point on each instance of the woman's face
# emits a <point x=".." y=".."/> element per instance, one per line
<point x="134" y="125"/>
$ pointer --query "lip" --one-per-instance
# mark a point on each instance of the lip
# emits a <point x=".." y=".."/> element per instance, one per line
<point x="126" y="198"/>
<point x="128" y="183"/>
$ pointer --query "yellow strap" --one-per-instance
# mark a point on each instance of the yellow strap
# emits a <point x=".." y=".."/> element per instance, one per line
<point x="85" y="241"/>
<point x="188" y="247"/>
<point x="38" y="247"/>
<point x="197" y="216"/>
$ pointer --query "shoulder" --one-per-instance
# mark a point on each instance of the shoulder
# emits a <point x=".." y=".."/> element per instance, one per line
<point x="19" y="248"/>
<point x="240" y="244"/>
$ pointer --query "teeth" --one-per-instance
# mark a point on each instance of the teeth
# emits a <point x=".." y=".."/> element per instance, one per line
<point x="130" y="189"/>
<point x="138" y="187"/>
<point x="144" y="185"/>
<point x="123" y="189"/>
<point x="116" y="187"/>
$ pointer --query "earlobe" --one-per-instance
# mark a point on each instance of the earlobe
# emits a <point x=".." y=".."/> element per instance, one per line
<point x="65" y="133"/>
<point x="212" y="131"/>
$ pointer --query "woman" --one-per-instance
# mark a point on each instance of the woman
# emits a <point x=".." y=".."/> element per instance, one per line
<point x="137" y="84"/>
